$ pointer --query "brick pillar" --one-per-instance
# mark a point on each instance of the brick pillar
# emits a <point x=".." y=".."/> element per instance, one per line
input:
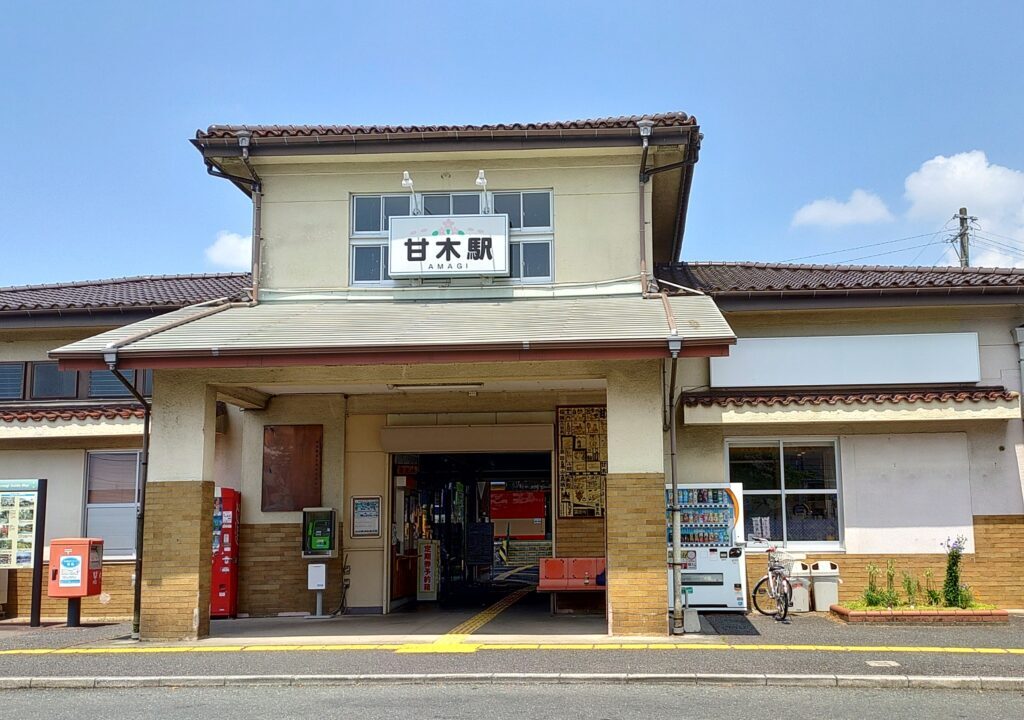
<point x="178" y="530"/>
<point x="635" y="502"/>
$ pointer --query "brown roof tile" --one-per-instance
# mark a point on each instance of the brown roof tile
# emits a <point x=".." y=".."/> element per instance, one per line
<point x="669" y="119"/>
<point x="103" y="412"/>
<point x="165" y="291"/>
<point x="753" y="398"/>
<point x="749" y="278"/>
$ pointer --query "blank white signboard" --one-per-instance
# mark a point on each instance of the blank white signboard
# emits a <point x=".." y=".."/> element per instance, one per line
<point x="833" y="360"/>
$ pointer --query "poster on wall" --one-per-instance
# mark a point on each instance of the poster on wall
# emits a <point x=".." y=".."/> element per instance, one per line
<point x="18" y="507"/>
<point x="582" y="460"/>
<point x="366" y="516"/>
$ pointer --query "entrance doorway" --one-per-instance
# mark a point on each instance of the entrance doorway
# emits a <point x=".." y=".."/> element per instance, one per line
<point x="468" y="528"/>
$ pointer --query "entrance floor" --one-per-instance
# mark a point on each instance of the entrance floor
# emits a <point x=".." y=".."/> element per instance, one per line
<point x="516" y="614"/>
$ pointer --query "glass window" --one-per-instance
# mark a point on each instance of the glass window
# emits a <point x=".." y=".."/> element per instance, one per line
<point x="756" y="467"/>
<point x="395" y="205"/>
<point x="48" y="382"/>
<point x="536" y="260"/>
<point x="367" y="213"/>
<point x="111" y="500"/>
<point x="790" y="489"/>
<point x="465" y="204"/>
<point x="515" y="260"/>
<point x="12" y="378"/>
<point x="511" y="205"/>
<point x="146" y="383"/>
<point x="104" y="384"/>
<point x="366" y="265"/>
<point x="437" y="204"/>
<point x="536" y="209"/>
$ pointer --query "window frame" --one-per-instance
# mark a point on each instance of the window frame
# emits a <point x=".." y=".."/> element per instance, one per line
<point x="23" y="393"/>
<point x="31" y="383"/>
<point x="86" y="504"/>
<point x="780" y="442"/>
<point x="517" y="236"/>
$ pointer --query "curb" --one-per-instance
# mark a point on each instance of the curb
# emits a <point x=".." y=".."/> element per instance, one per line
<point x="946" y="682"/>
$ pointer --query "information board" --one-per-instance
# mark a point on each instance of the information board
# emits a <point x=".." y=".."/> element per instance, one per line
<point x="19" y="505"/>
<point x="366" y="516"/>
<point x="582" y="460"/>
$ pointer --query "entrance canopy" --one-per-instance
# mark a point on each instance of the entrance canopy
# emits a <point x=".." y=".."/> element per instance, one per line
<point x="336" y="332"/>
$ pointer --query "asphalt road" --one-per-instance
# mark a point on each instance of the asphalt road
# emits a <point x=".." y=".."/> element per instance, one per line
<point x="537" y="702"/>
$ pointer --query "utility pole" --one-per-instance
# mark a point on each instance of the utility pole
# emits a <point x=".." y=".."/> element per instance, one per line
<point x="965" y="240"/>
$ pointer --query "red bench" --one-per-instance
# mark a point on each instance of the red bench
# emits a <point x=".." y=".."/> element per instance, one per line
<point x="559" y="575"/>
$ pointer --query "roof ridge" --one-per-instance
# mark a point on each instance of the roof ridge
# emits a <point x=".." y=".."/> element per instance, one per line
<point x="838" y="266"/>
<point x="115" y="281"/>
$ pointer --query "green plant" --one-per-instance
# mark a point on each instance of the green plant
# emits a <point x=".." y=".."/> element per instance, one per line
<point x="890" y="576"/>
<point x="934" y="596"/>
<point x="872" y="576"/>
<point x="912" y="587"/>
<point x="871" y="594"/>
<point x="952" y="587"/>
<point x="965" y="598"/>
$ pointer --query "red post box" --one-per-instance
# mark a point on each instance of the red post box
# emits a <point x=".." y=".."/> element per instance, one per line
<point x="76" y="571"/>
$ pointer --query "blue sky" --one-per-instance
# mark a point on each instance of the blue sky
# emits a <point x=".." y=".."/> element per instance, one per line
<point x="827" y="126"/>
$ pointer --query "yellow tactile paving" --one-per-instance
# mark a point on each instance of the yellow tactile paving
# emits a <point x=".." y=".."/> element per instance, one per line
<point x="449" y="643"/>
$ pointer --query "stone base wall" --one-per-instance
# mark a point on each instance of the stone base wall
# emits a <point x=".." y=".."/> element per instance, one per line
<point x="115" y="603"/>
<point x="993" y="571"/>
<point x="637" y="593"/>
<point x="272" y="574"/>
<point x="579" y="537"/>
<point x="177" y="560"/>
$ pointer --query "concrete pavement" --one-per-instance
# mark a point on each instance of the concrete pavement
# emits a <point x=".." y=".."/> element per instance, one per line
<point x="508" y="702"/>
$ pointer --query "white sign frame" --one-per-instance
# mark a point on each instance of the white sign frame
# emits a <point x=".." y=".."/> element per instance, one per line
<point x="437" y="246"/>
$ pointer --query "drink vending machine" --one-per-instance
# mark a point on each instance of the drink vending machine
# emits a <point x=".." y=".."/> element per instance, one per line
<point x="711" y="529"/>
<point x="224" y="581"/>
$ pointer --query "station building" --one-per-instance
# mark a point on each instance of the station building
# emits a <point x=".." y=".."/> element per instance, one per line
<point x="396" y="349"/>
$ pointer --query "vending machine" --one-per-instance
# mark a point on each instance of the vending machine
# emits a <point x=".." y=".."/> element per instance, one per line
<point x="224" y="581"/>
<point x="711" y="529"/>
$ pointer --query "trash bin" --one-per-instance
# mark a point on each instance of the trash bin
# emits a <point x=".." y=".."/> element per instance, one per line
<point x="825" y="581"/>
<point x="800" y="579"/>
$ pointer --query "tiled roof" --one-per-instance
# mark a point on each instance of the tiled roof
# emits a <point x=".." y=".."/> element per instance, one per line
<point x="166" y="291"/>
<point x="98" y="412"/>
<point x="749" y="278"/>
<point x="669" y="119"/>
<point x="754" y="398"/>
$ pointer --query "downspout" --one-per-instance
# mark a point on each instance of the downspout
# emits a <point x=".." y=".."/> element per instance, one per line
<point x="675" y="346"/>
<point x="140" y="514"/>
<point x="1018" y="334"/>
<point x="255" y="190"/>
<point x="646" y="128"/>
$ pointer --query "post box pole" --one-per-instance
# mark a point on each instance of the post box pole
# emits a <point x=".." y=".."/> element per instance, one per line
<point x="74" y="612"/>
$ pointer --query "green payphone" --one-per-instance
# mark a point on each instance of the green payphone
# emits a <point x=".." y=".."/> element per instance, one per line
<point x="319" y="531"/>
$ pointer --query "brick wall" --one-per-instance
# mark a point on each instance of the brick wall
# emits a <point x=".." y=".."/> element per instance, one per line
<point x="637" y="593"/>
<point x="177" y="560"/>
<point x="272" y="574"/>
<point x="993" y="571"/>
<point x="579" y="537"/>
<point x="115" y="603"/>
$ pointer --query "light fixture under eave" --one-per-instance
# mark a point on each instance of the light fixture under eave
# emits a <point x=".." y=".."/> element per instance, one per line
<point x="434" y="387"/>
<point x="481" y="182"/>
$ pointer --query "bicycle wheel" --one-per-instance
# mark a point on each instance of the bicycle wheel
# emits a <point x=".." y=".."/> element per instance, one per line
<point x="785" y="597"/>
<point x="764" y="603"/>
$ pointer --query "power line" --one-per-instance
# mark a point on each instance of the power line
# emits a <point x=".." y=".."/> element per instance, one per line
<point x="892" y="252"/>
<point x="861" y="247"/>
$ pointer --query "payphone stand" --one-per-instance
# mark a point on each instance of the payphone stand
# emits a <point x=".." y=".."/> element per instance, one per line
<point x="319" y="542"/>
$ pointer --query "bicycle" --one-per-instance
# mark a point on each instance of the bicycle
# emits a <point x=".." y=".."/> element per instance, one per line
<point x="773" y="593"/>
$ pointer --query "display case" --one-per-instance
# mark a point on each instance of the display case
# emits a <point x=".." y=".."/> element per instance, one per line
<point x="711" y="534"/>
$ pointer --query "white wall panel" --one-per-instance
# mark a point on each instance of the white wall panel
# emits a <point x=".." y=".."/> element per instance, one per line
<point x="834" y="360"/>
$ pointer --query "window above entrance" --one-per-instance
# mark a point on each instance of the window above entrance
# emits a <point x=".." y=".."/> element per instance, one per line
<point x="531" y="224"/>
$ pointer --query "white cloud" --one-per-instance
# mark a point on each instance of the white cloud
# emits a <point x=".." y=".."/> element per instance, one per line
<point x="230" y="251"/>
<point x="992" y="193"/>
<point x="862" y="208"/>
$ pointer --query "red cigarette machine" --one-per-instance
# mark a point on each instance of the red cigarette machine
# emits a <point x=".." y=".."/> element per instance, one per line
<point x="224" y="581"/>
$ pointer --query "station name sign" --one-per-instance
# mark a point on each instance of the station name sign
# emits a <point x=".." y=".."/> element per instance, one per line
<point x="443" y="246"/>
